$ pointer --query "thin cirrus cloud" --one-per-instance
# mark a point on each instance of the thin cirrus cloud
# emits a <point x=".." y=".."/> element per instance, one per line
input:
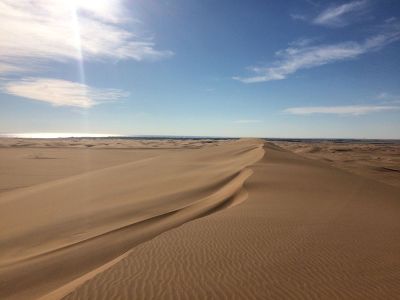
<point x="388" y="98"/>
<point x="299" y="17"/>
<point x="297" y="58"/>
<point x="47" y="30"/>
<point x="354" y="110"/>
<point x="342" y="15"/>
<point x="61" y="92"/>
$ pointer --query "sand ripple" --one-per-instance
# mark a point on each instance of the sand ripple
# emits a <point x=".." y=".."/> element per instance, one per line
<point x="54" y="234"/>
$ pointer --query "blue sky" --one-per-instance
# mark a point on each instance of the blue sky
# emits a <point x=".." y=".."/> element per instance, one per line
<point x="301" y="68"/>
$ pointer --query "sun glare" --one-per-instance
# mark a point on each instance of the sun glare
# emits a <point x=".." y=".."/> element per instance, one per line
<point x="74" y="6"/>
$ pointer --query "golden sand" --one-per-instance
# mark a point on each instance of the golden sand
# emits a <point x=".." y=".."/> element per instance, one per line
<point x="191" y="220"/>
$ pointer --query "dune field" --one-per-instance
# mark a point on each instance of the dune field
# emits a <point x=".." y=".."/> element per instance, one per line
<point x="379" y="160"/>
<point x="191" y="219"/>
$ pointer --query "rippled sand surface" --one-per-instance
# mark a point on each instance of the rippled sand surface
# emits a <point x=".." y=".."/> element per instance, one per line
<point x="55" y="231"/>
<point x="237" y="219"/>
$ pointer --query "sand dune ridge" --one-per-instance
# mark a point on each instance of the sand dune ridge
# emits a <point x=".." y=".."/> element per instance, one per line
<point x="58" y="231"/>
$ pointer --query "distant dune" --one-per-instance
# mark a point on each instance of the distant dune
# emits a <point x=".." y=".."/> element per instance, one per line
<point x="219" y="220"/>
<point x="379" y="160"/>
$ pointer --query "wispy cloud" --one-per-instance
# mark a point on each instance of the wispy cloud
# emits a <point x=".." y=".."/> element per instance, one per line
<point x="296" y="58"/>
<point x="298" y="17"/>
<point x="388" y="98"/>
<point x="355" y="110"/>
<point x="40" y="31"/>
<point x="342" y="15"/>
<point x="248" y="121"/>
<point x="11" y="68"/>
<point x="302" y="42"/>
<point x="61" y="92"/>
<point x="383" y="96"/>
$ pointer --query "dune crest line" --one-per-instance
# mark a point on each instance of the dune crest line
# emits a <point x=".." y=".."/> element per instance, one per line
<point x="307" y="231"/>
<point x="55" y="233"/>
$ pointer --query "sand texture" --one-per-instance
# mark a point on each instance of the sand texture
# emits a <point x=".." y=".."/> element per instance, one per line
<point x="307" y="231"/>
<point x="379" y="161"/>
<point x="257" y="222"/>
<point x="53" y="233"/>
<point x="107" y="143"/>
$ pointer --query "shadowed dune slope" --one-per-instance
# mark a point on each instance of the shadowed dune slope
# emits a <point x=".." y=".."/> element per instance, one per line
<point x="307" y="231"/>
<point x="54" y="233"/>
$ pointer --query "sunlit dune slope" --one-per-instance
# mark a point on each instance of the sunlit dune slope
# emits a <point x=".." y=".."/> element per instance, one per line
<point x="306" y="231"/>
<point x="55" y="232"/>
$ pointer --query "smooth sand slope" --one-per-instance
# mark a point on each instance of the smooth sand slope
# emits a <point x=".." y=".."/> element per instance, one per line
<point x="307" y="231"/>
<point x="56" y="230"/>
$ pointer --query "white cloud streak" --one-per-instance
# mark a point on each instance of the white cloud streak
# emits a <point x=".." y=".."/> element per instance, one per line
<point x="297" y="58"/>
<point x="40" y="31"/>
<point x="61" y="92"/>
<point x="354" y="110"/>
<point x="342" y="15"/>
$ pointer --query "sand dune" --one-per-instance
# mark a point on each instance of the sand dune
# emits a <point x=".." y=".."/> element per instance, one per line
<point x="303" y="229"/>
<point x="28" y="166"/>
<point x="379" y="161"/>
<point x="107" y="143"/>
<point x="307" y="231"/>
<point x="55" y="232"/>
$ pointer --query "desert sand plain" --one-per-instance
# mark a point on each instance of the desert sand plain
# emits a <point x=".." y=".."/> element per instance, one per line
<point x="378" y="160"/>
<point x="197" y="219"/>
